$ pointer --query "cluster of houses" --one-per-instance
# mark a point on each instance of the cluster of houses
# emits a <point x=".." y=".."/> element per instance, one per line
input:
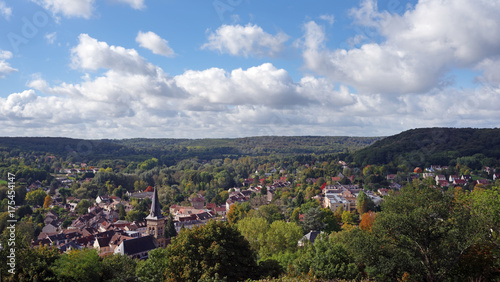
<point x="437" y="173"/>
<point x="101" y="229"/>
<point x="95" y="230"/>
<point x="345" y="196"/>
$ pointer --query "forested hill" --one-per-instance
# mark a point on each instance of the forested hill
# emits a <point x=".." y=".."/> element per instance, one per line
<point x="428" y="146"/>
<point x="178" y="149"/>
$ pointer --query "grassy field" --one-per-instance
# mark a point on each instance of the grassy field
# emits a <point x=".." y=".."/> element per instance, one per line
<point x="3" y="182"/>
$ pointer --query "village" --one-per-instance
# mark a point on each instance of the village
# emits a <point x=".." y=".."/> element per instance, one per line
<point x="102" y="229"/>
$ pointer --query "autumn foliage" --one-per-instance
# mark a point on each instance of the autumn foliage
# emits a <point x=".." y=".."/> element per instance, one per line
<point x="367" y="221"/>
<point x="47" y="202"/>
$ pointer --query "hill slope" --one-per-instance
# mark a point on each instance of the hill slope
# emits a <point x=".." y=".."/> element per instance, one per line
<point x="428" y="146"/>
<point x="178" y="149"/>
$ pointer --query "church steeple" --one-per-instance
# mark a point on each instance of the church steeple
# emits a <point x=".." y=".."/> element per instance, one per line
<point x="155" y="212"/>
<point x="156" y="221"/>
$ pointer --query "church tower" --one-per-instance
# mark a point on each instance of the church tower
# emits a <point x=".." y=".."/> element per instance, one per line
<point x="156" y="221"/>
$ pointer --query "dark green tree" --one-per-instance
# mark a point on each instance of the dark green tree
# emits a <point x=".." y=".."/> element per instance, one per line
<point x="154" y="268"/>
<point x="84" y="265"/>
<point x="118" y="268"/>
<point x="121" y="212"/>
<point x="213" y="250"/>
<point x="135" y="215"/>
<point x="83" y="206"/>
<point x="326" y="259"/>
<point x="313" y="220"/>
<point x="169" y="230"/>
<point x="270" y="212"/>
<point x="432" y="227"/>
<point x="364" y="203"/>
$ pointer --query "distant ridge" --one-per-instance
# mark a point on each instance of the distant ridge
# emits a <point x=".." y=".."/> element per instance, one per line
<point x="426" y="146"/>
<point x="169" y="150"/>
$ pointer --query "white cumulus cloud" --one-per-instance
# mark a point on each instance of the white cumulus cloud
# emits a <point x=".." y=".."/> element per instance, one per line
<point x="249" y="40"/>
<point x="91" y="54"/>
<point x="68" y="8"/>
<point x="419" y="49"/>
<point x="155" y="43"/>
<point x="5" y="67"/>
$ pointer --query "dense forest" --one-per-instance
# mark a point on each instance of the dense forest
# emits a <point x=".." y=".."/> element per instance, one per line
<point x="427" y="146"/>
<point x="421" y="231"/>
<point x="169" y="151"/>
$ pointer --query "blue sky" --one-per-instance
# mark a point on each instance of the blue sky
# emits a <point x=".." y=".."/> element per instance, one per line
<point x="235" y="68"/>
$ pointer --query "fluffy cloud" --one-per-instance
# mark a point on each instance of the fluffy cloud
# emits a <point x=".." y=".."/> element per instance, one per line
<point x="5" y="67"/>
<point x="155" y="43"/>
<point x="133" y="98"/>
<point x="68" y="8"/>
<point x="5" y="10"/>
<point x="91" y="54"/>
<point x="420" y="47"/>
<point x="249" y="40"/>
<point x="262" y="85"/>
<point x="135" y="4"/>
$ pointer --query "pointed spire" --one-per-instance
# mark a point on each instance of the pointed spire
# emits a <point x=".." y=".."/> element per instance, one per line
<point x="155" y="212"/>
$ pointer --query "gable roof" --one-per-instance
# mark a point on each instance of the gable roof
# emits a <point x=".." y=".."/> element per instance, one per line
<point x="139" y="245"/>
<point x="103" y="242"/>
<point x="311" y="236"/>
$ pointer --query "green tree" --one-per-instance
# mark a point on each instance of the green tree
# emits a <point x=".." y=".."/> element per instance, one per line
<point x="140" y="185"/>
<point x="23" y="211"/>
<point x="119" y="192"/>
<point x="154" y="268"/>
<point x="213" y="250"/>
<point x="347" y="218"/>
<point x="330" y="221"/>
<point x="30" y="264"/>
<point x="65" y="193"/>
<point x="148" y="164"/>
<point x="118" y="268"/>
<point x="236" y="212"/>
<point x="135" y="215"/>
<point x="36" y="197"/>
<point x="432" y="227"/>
<point x="121" y="212"/>
<point x="326" y="259"/>
<point x="364" y="203"/>
<point x="170" y="228"/>
<point x="270" y="212"/>
<point x="295" y="217"/>
<point x="84" y="265"/>
<point x="83" y="206"/>
<point x="313" y="220"/>
<point x="281" y="237"/>
<point x="254" y="229"/>
<point x="299" y="200"/>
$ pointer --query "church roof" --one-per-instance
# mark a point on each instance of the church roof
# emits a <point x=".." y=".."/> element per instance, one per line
<point x="155" y="212"/>
<point x="138" y="245"/>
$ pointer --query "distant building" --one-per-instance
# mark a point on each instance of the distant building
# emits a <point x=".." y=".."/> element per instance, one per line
<point x="311" y="237"/>
<point x="156" y="222"/>
<point x="198" y="202"/>
<point x="137" y="248"/>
